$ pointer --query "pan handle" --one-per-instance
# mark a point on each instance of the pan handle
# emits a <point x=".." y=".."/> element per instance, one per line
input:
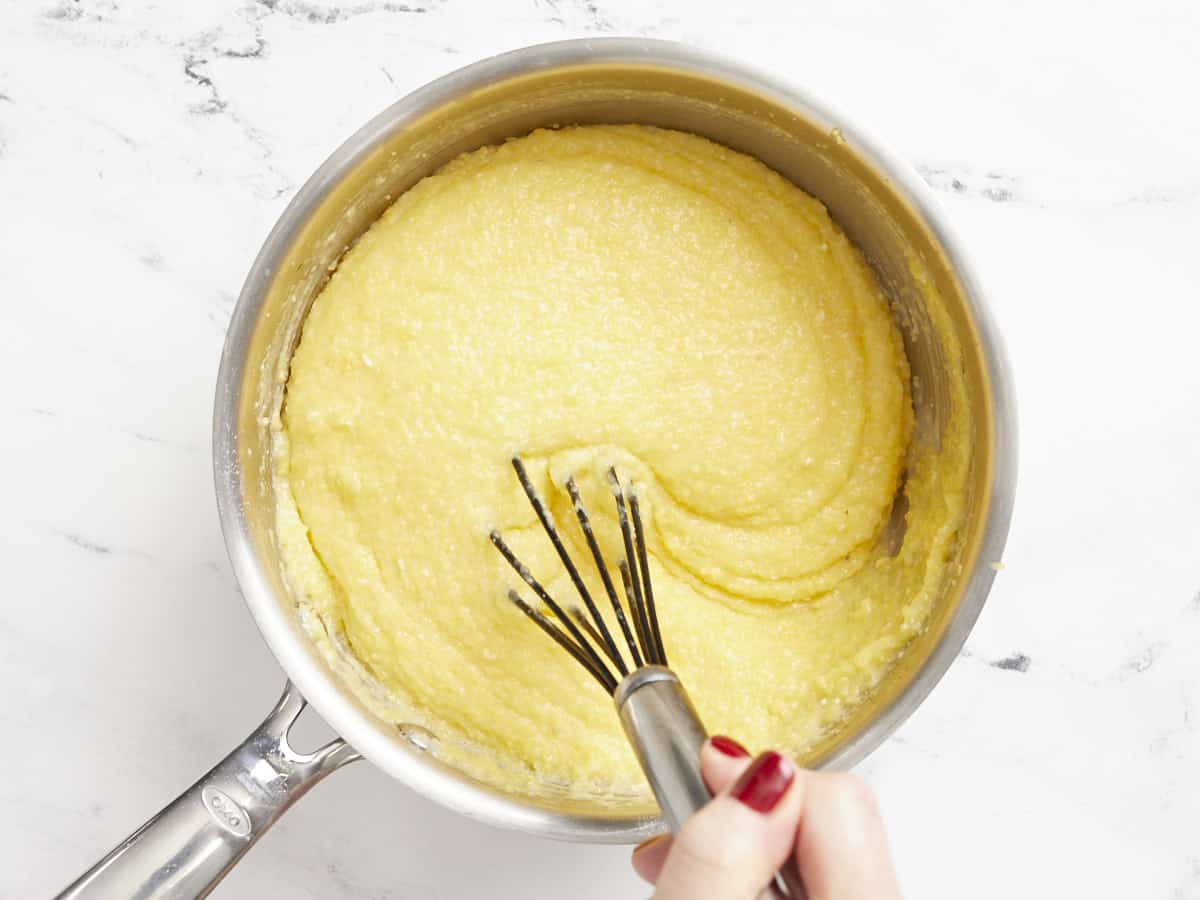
<point x="186" y="849"/>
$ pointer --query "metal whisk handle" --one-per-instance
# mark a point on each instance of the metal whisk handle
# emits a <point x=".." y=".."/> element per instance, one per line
<point x="667" y="735"/>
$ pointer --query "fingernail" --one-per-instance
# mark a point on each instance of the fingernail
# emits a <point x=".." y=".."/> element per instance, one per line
<point x="728" y="746"/>
<point x="765" y="782"/>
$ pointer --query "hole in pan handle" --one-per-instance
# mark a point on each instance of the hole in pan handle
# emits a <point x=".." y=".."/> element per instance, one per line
<point x="189" y="846"/>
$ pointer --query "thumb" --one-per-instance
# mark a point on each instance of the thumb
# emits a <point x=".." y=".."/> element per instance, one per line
<point x="722" y="761"/>
<point x="732" y="847"/>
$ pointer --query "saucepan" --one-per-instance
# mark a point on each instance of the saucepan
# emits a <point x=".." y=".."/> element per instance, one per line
<point x="876" y="198"/>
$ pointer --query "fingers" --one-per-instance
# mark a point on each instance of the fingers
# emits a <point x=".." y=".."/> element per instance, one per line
<point x="761" y="808"/>
<point x="649" y="856"/>
<point x="722" y="760"/>
<point x="731" y="849"/>
<point x="841" y="849"/>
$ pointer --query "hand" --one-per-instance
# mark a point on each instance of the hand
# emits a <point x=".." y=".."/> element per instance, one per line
<point x="762" y="812"/>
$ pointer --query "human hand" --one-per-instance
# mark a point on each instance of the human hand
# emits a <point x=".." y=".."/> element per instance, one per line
<point x="762" y="812"/>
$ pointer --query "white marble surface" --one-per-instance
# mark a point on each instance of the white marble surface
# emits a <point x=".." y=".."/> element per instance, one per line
<point x="147" y="147"/>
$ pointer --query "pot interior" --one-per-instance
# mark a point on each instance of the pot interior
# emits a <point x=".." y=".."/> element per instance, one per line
<point x="465" y="111"/>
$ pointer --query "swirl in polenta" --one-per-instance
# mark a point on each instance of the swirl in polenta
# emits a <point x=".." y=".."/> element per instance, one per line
<point x="609" y="296"/>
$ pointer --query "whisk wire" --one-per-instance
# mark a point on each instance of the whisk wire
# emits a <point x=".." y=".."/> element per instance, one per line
<point x="586" y="526"/>
<point x="637" y="614"/>
<point x="601" y="674"/>
<point x="583" y="622"/>
<point x="543" y="514"/>
<point x="647" y="590"/>
<point x="586" y="635"/>
<point x="635" y="570"/>
<point x="544" y="595"/>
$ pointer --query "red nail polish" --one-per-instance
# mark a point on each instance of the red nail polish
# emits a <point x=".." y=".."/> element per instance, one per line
<point x="765" y="782"/>
<point x="728" y="746"/>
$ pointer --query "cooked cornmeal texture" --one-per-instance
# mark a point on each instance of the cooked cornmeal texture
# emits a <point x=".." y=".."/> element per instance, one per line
<point x="592" y="297"/>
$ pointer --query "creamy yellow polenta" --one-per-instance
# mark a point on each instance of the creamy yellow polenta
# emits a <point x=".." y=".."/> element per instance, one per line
<point x="596" y="296"/>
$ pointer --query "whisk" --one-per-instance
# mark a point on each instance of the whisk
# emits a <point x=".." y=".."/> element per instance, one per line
<point x="658" y="717"/>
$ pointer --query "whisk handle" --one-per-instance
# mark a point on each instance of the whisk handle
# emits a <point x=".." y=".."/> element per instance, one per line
<point x="667" y="734"/>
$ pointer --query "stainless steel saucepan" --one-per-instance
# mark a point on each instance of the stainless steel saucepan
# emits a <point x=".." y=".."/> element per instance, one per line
<point x="876" y="198"/>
